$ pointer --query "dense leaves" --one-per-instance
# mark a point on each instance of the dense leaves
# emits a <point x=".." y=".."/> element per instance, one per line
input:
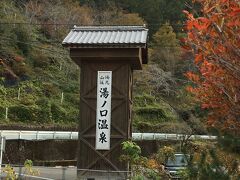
<point x="215" y="41"/>
<point x="40" y="80"/>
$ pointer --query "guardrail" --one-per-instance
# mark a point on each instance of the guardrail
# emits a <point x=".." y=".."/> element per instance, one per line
<point x="63" y="135"/>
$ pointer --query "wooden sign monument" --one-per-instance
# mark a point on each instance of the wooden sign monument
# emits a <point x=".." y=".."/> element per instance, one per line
<point x="107" y="56"/>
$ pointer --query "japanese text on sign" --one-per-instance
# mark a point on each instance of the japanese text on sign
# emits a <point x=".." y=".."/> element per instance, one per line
<point x="103" y="110"/>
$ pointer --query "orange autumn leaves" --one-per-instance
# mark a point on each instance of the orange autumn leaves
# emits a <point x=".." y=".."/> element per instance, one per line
<point x="214" y="39"/>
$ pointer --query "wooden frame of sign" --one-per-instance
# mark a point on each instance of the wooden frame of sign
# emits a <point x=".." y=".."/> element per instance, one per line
<point x="93" y="162"/>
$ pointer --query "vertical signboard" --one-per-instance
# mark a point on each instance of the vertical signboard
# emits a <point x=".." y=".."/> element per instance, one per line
<point x="103" y="110"/>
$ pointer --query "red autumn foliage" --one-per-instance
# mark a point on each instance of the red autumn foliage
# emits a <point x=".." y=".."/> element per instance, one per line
<point x="18" y="58"/>
<point x="214" y="38"/>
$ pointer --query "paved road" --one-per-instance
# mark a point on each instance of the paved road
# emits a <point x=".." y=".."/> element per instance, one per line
<point x="62" y="173"/>
<point x="50" y="173"/>
<point x="58" y="173"/>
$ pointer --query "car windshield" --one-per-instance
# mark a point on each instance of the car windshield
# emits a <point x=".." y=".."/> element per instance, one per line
<point x="179" y="160"/>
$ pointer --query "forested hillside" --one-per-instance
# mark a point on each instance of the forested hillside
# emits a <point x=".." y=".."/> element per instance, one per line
<point x="40" y="84"/>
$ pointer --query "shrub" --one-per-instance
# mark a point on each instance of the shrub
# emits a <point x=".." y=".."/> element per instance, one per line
<point x="23" y="38"/>
<point x="44" y="110"/>
<point x="58" y="112"/>
<point x="164" y="154"/>
<point x="22" y="70"/>
<point x="162" y="127"/>
<point x="144" y="100"/>
<point x="151" y="113"/>
<point x="2" y="112"/>
<point x="50" y="89"/>
<point x="22" y="113"/>
<point x="39" y="59"/>
<point x="72" y="114"/>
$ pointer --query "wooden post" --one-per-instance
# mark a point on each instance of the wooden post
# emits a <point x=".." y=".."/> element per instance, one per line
<point x="6" y="113"/>
<point x="19" y="91"/>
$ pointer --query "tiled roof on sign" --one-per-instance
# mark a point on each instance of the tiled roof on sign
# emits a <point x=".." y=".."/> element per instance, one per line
<point x="120" y="36"/>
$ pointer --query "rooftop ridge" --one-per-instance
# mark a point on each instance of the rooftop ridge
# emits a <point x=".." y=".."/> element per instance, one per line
<point x="107" y="36"/>
<point x="110" y="28"/>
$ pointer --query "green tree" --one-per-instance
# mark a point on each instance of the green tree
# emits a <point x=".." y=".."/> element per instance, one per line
<point x="166" y="50"/>
<point x="158" y="12"/>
